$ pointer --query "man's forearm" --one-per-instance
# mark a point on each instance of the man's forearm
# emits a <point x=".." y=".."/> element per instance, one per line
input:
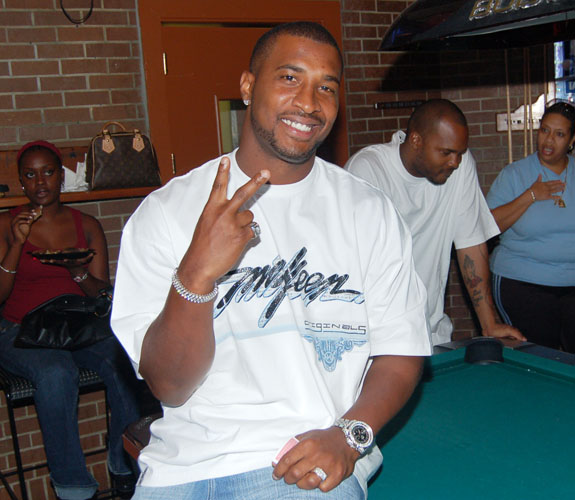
<point x="474" y="265"/>
<point x="388" y="385"/>
<point x="178" y="349"/>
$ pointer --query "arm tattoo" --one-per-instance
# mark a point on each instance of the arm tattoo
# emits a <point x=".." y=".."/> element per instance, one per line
<point x="472" y="280"/>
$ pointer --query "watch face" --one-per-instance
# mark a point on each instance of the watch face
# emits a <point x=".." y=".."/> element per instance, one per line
<point x="360" y="434"/>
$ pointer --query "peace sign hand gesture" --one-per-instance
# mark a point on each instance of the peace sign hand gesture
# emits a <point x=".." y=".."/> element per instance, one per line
<point x="222" y="232"/>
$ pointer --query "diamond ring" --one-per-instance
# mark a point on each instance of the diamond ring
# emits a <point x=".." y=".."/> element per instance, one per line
<point x="319" y="472"/>
<point x="255" y="227"/>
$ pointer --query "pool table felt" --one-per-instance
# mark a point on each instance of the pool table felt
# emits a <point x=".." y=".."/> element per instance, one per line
<point x="495" y="431"/>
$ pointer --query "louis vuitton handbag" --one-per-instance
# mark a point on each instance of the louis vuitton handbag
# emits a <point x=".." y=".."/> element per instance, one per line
<point x="121" y="159"/>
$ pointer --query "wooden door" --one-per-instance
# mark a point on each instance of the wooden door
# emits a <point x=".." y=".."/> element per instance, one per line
<point x="194" y="54"/>
<point x="201" y="72"/>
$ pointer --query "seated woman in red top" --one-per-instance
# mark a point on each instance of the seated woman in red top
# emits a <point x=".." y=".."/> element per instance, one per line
<point x="25" y="282"/>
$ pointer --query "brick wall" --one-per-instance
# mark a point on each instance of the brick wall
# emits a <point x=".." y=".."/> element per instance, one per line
<point x="59" y="81"/>
<point x="91" y="417"/>
<point x="112" y="214"/>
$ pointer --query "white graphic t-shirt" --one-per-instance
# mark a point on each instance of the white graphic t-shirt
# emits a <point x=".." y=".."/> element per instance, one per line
<point x="328" y="284"/>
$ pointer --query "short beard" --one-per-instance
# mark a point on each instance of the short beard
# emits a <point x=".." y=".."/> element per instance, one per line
<point x="418" y="161"/>
<point x="268" y="140"/>
<point x="436" y="183"/>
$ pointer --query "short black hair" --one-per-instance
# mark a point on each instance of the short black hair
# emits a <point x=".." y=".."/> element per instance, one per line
<point x="305" y="29"/>
<point x="564" y="109"/>
<point x="426" y="116"/>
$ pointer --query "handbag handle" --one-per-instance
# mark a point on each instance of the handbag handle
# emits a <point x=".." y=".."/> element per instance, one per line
<point x="107" y="142"/>
<point x="117" y="124"/>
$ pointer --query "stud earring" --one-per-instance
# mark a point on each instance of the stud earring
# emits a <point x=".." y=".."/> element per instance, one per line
<point x="246" y="102"/>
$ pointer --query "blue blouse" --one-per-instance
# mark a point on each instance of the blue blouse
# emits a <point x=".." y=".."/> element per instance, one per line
<point x="540" y="247"/>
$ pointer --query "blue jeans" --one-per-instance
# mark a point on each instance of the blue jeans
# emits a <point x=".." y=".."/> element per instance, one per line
<point x="54" y="374"/>
<point x="253" y="485"/>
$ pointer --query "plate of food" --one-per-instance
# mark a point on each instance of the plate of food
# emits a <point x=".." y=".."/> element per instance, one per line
<point x="66" y="254"/>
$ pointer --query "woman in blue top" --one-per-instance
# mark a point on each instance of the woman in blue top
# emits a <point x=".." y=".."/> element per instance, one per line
<point x="533" y="202"/>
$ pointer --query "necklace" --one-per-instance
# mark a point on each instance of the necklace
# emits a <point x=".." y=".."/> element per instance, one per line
<point x="560" y="202"/>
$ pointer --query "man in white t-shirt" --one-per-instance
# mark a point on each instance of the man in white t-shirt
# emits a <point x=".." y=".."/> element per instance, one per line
<point x="431" y="178"/>
<point x="280" y="327"/>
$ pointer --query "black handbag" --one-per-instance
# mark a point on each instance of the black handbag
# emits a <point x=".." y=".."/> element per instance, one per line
<point x="67" y="322"/>
<point x="121" y="159"/>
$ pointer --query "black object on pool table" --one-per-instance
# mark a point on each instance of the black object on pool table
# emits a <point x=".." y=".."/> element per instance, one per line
<point x="483" y="351"/>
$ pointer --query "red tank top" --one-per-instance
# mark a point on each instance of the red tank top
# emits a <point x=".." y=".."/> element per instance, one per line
<point x="35" y="282"/>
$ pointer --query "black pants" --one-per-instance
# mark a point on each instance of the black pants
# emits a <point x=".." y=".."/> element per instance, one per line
<point x="544" y="314"/>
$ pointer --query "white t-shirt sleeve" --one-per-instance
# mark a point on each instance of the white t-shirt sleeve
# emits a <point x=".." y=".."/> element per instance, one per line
<point x="367" y="165"/>
<point x="395" y="296"/>
<point x="143" y="278"/>
<point x="474" y="224"/>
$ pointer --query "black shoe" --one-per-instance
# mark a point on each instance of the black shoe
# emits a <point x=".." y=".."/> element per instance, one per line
<point x="124" y="484"/>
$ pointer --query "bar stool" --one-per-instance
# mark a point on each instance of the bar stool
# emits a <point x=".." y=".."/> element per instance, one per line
<point x="19" y="392"/>
<point x="137" y="435"/>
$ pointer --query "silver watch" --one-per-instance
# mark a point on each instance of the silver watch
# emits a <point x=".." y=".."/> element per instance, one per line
<point x="358" y="434"/>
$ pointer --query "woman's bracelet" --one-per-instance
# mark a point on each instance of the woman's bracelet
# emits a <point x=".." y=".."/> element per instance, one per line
<point x="532" y="195"/>
<point x="196" y="298"/>
<point x="7" y="270"/>
<point x="81" y="277"/>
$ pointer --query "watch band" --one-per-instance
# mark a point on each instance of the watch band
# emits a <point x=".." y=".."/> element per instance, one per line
<point x="358" y="434"/>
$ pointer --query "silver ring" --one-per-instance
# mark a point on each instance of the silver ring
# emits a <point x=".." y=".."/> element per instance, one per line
<point x="255" y="227"/>
<point x="319" y="472"/>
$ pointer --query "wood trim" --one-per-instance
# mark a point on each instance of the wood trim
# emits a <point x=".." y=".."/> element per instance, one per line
<point x="97" y="195"/>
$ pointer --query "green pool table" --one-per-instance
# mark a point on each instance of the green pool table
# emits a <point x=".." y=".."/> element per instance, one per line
<point x="497" y="431"/>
